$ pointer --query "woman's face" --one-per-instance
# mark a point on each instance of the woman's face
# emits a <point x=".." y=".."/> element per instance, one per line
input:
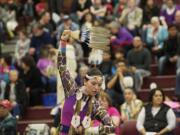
<point x="173" y="31"/>
<point x="93" y="86"/>
<point x="22" y="36"/>
<point x="155" y="24"/>
<point x="131" y="4"/>
<point x="104" y="102"/>
<point x="157" y="98"/>
<point x="170" y="3"/>
<point x="150" y="3"/>
<point x="88" y="18"/>
<point x="128" y="95"/>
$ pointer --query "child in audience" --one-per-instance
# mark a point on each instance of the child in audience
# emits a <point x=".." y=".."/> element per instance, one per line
<point x="22" y="46"/>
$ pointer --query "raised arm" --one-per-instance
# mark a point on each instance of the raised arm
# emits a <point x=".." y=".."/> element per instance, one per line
<point x="68" y="82"/>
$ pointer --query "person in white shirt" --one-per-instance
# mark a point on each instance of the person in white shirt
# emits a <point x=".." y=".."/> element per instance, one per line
<point x="156" y="118"/>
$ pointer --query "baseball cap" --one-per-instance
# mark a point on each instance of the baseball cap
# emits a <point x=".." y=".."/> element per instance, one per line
<point x="65" y="17"/>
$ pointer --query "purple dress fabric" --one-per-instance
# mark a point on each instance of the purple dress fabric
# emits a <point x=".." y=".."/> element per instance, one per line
<point x="170" y="17"/>
<point x="68" y="111"/>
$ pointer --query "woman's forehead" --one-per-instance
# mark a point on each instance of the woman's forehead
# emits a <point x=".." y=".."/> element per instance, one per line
<point x="97" y="79"/>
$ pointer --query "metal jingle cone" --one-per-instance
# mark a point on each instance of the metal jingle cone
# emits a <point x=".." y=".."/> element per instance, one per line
<point x="100" y="47"/>
<point x="100" y="30"/>
<point x="104" y="40"/>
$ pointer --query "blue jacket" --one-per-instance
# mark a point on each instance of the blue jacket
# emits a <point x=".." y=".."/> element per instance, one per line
<point x="161" y="36"/>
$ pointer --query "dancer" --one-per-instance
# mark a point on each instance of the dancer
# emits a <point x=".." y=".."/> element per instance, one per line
<point x="81" y="105"/>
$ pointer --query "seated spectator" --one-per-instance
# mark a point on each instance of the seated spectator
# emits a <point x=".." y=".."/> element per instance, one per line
<point x="81" y="75"/>
<point x="67" y="24"/>
<point x="45" y="64"/>
<point x="11" y="22"/>
<point x="119" y="56"/>
<point x="156" y="35"/>
<point x="121" y="37"/>
<point x="46" y="22"/>
<point x="131" y="107"/>
<point x="177" y="20"/>
<point x="3" y="33"/>
<point x="120" y="6"/>
<point x="98" y="9"/>
<point x="177" y="88"/>
<point x="2" y="89"/>
<point x="171" y="49"/>
<point x="115" y="86"/>
<point x="140" y="59"/>
<point x="156" y="117"/>
<point x="22" y="46"/>
<point x="16" y="93"/>
<point x="131" y="17"/>
<point x="105" y="101"/>
<point x="29" y="8"/>
<point x="79" y="9"/>
<point x="8" y="123"/>
<point x="106" y="65"/>
<point x="5" y="66"/>
<point x="40" y="7"/>
<point x="170" y="10"/>
<point x="39" y="39"/>
<point x="149" y="10"/>
<point x="32" y="79"/>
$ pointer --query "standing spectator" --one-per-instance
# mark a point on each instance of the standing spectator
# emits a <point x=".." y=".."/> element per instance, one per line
<point x="8" y="123"/>
<point x="150" y="10"/>
<point x="171" y="49"/>
<point x="32" y="79"/>
<point x="131" y="17"/>
<point x="121" y="37"/>
<point x="22" y="46"/>
<point x="156" y="117"/>
<point x="140" y="59"/>
<point x="16" y="93"/>
<point x="156" y="35"/>
<point x="131" y="107"/>
<point x="79" y="9"/>
<point x="170" y="11"/>
<point x="39" y="39"/>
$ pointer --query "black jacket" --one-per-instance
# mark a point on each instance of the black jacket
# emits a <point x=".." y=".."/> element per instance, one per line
<point x="21" y="95"/>
<point x="159" y="121"/>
